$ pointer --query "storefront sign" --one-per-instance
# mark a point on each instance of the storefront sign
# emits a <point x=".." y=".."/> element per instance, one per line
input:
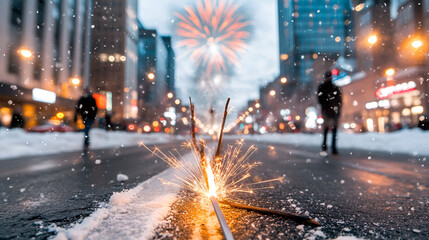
<point x="45" y="96"/>
<point x="386" y="92"/>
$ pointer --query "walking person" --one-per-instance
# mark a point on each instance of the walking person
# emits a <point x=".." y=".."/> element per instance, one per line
<point x="330" y="100"/>
<point x="86" y="107"/>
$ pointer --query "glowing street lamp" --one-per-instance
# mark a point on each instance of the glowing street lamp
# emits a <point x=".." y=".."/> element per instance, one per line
<point x="170" y="95"/>
<point x="151" y="76"/>
<point x="25" y="53"/>
<point x="250" y="109"/>
<point x="272" y="93"/>
<point x="257" y="105"/>
<point x="283" y="80"/>
<point x="417" y="44"/>
<point x="390" y="72"/>
<point x="372" y="39"/>
<point x="75" y="81"/>
<point x="177" y="101"/>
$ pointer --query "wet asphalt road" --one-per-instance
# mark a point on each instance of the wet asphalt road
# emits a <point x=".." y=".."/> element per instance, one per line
<point x="358" y="193"/>
<point x="63" y="188"/>
<point x="370" y="195"/>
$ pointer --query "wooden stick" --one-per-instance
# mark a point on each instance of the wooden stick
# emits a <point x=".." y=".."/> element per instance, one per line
<point x="204" y="162"/>
<point x="298" y="218"/>
<point x="194" y="139"/>
<point x="217" y="156"/>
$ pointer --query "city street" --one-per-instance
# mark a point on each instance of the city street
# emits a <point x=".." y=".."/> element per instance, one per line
<point x="353" y="194"/>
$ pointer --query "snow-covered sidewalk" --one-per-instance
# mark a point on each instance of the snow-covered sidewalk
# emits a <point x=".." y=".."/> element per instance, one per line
<point x="131" y="214"/>
<point x="18" y="143"/>
<point x="408" y="141"/>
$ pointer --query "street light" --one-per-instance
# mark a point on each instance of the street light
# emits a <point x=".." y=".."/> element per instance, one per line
<point x="272" y="93"/>
<point x="283" y="80"/>
<point x="170" y="95"/>
<point x="25" y="53"/>
<point x="75" y="81"/>
<point x="257" y="105"/>
<point x="151" y="76"/>
<point x="250" y="109"/>
<point x="417" y="44"/>
<point x="390" y="72"/>
<point x="372" y="39"/>
<point x="177" y="101"/>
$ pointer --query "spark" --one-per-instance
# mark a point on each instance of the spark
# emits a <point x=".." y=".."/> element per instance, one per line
<point x="213" y="33"/>
<point x="225" y="177"/>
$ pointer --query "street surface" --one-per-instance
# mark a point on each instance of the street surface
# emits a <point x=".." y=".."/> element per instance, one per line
<point x="368" y="195"/>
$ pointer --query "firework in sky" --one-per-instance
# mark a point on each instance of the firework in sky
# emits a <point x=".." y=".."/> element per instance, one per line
<point x="213" y="32"/>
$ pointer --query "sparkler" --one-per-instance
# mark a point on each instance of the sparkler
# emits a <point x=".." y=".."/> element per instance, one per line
<point x="225" y="174"/>
<point x="213" y="32"/>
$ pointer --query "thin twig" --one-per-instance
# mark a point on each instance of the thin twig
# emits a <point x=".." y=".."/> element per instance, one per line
<point x="298" y="218"/>
<point x="217" y="156"/>
<point x="204" y="162"/>
<point x="194" y="139"/>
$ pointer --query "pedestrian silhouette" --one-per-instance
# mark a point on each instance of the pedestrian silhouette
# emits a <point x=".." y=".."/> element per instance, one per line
<point x="330" y="100"/>
<point x="17" y="120"/>
<point x="86" y="107"/>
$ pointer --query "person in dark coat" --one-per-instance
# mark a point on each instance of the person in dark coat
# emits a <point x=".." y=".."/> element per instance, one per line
<point x="330" y="100"/>
<point x="17" y="120"/>
<point x="86" y="107"/>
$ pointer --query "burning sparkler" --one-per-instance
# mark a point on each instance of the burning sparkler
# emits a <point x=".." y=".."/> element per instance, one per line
<point x="225" y="174"/>
<point x="213" y="32"/>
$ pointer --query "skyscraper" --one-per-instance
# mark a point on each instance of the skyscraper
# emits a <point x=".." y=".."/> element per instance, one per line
<point x="308" y="28"/>
<point x="114" y="56"/>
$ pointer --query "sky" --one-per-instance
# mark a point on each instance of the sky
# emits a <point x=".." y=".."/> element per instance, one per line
<point x="258" y="65"/>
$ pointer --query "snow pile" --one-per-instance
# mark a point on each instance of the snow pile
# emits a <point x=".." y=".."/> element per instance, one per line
<point x="18" y="143"/>
<point x="131" y="214"/>
<point x="409" y="141"/>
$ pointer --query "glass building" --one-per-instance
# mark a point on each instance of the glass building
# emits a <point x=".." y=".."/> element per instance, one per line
<point x="309" y="28"/>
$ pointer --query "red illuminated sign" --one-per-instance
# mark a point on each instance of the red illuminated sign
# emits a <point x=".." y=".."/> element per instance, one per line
<point x="101" y="100"/>
<point x="334" y="72"/>
<point x="386" y="92"/>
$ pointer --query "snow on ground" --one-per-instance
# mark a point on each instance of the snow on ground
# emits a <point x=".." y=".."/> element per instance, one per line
<point x="18" y="143"/>
<point x="410" y="141"/>
<point x="131" y="214"/>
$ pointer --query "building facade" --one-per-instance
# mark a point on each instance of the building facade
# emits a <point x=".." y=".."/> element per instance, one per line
<point x="114" y="59"/>
<point x="41" y="59"/>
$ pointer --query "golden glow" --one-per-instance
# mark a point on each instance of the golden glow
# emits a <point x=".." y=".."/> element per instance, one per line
<point x="417" y="109"/>
<point x="272" y="93"/>
<point x="250" y="109"/>
<point x="417" y="44"/>
<point x="390" y="72"/>
<point x="177" y="101"/>
<point x="183" y="109"/>
<point x="283" y="80"/>
<point x="60" y="115"/>
<point x="284" y="57"/>
<point x="359" y="7"/>
<point x="155" y="123"/>
<point x="257" y="105"/>
<point x="315" y="56"/>
<point x="25" y="53"/>
<point x="210" y="178"/>
<point x="151" y="76"/>
<point x="372" y="39"/>
<point x="297" y="117"/>
<point x="170" y="95"/>
<point x="75" y="81"/>
<point x="338" y="39"/>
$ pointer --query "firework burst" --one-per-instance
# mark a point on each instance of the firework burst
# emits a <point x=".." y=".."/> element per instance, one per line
<point x="213" y="33"/>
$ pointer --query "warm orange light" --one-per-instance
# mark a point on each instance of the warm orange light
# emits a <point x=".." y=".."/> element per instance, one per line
<point x="272" y="93"/>
<point x="359" y="7"/>
<point x="372" y="39"/>
<point x="75" y="81"/>
<point x="151" y="76"/>
<point x="177" y="101"/>
<point x="25" y="53"/>
<point x="146" y="128"/>
<point x="282" y="126"/>
<point x="183" y="109"/>
<point x="283" y="80"/>
<point x="167" y="130"/>
<point x="297" y="118"/>
<point x="417" y="44"/>
<point x="390" y="72"/>
<point x="250" y="109"/>
<point x="60" y="115"/>
<point x="257" y="105"/>
<point x="155" y="123"/>
<point x="170" y="95"/>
